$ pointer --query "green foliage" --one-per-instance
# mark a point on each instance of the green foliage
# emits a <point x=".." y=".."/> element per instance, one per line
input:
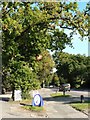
<point x="21" y="77"/>
<point x="55" y="80"/>
<point x="44" y="68"/>
<point x="73" y="69"/>
<point x="25" y="95"/>
<point x="59" y="40"/>
<point x="29" y="29"/>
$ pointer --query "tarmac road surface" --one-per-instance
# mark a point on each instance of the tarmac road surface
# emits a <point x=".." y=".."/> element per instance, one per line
<point x="55" y="108"/>
<point x="0" y="110"/>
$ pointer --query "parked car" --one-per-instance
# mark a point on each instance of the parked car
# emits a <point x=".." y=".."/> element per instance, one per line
<point x="65" y="87"/>
<point x="51" y="86"/>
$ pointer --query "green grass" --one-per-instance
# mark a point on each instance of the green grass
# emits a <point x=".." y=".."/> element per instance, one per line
<point x="27" y="104"/>
<point x="81" y="106"/>
<point x="34" y="108"/>
<point x="58" y="95"/>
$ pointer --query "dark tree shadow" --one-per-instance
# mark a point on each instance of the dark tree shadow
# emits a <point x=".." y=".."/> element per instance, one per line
<point x="65" y="100"/>
<point x="6" y="99"/>
<point x="24" y="104"/>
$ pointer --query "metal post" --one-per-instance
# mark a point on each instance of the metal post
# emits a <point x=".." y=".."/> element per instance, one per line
<point x="82" y="98"/>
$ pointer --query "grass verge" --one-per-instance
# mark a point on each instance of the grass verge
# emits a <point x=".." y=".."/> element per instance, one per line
<point x="26" y="104"/>
<point x="33" y="108"/>
<point x="58" y="95"/>
<point x="81" y="106"/>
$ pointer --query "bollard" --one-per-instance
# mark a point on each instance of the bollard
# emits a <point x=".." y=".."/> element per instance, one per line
<point x="64" y="92"/>
<point x="82" y="98"/>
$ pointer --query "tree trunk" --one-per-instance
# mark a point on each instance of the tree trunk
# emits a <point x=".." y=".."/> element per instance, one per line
<point x="13" y="88"/>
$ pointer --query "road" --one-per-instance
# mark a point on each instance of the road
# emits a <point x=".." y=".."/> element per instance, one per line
<point x="58" y="107"/>
<point x="0" y="110"/>
<point x="77" y="93"/>
<point x="55" y="108"/>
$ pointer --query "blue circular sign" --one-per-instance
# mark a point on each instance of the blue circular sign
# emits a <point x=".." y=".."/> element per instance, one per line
<point x="37" y="99"/>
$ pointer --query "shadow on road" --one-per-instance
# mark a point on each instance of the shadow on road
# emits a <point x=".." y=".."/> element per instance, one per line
<point x="65" y="99"/>
<point x="24" y="104"/>
<point x="73" y="98"/>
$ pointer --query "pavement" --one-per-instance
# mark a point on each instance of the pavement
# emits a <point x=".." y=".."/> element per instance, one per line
<point x="0" y="110"/>
<point x="54" y="108"/>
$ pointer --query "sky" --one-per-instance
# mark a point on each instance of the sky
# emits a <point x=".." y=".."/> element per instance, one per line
<point x="80" y="47"/>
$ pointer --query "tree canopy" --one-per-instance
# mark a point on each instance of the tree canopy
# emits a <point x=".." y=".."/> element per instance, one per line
<point x="30" y="29"/>
<point x="73" y="69"/>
